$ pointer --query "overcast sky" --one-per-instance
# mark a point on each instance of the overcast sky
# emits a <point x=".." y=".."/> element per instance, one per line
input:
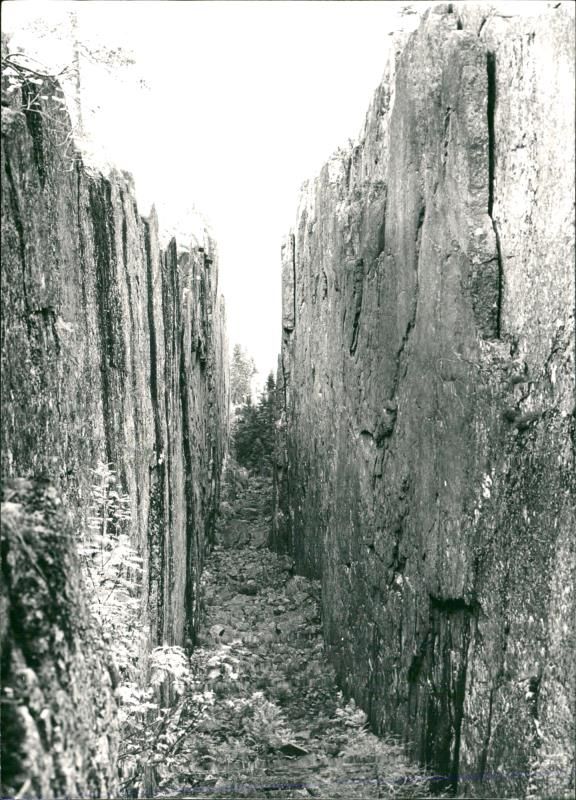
<point x="245" y="101"/>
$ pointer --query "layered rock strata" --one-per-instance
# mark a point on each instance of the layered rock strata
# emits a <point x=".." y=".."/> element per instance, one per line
<point x="112" y="351"/>
<point x="426" y="441"/>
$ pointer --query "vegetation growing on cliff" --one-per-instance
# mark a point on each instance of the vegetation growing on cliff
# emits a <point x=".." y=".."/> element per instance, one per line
<point x="65" y="48"/>
<point x="260" y="714"/>
<point x="112" y="572"/>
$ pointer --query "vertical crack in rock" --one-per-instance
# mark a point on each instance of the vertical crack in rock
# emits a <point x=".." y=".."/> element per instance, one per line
<point x="153" y="345"/>
<point x="347" y="172"/>
<point x="446" y="139"/>
<point x="430" y="309"/>
<point x="80" y="233"/>
<point x="33" y="114"/>
<point x="98" y="214"/>
<point x="188" y="494"/>
<point x="402" y="354"/>
<point x="18" y="224"/>
<point x="358" y="290"/>
<point x="382" y="230"/>
<point x="156" y="531"/>
<point x="491" y="112"/>
<point x="289" y="284"/>
<point x="124" y="233"/>
<point x="293" y="244"/>
<point x="132" y="304"/>
<point x="486" y="742"/>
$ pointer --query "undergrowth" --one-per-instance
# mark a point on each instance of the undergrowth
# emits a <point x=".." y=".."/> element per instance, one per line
<point x="254" y="711"/>
<point x="144" y="685"/>
<point x="262" y="716"/>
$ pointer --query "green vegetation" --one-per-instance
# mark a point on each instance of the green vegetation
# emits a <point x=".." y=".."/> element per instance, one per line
<point x="112" y="571"/>
<point x="64" y="49"/>
<point x="261" y="715"/>
<point x="242" y="370"/>
<point x="254" y="710"/>
<point x="253" y="431"/>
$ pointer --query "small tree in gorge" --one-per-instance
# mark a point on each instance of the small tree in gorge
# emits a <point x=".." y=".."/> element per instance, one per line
<point x="253" y="433"/>
<point x="242" y="370"/>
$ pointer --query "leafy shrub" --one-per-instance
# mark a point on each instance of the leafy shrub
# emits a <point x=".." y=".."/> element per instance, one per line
<point x="170" y="665"/>
<point x="113" y="578"/>
<point x="113" y="571"/>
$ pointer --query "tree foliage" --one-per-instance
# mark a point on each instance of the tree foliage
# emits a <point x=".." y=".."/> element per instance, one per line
<point x="253" y="431"/>
<point x="242" y="370"/>
<point x="261" y="715"/>
<point x="113" y="573"/>
<point x="58" y="45"/>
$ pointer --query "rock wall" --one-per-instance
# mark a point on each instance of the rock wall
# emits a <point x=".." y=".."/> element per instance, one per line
<point x="426" y="442"/>
<point x="112" y="350"/>
<point x="59" y="722"/>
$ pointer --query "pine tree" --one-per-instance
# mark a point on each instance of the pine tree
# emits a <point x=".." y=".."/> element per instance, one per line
<point x="253" y="437"/>
<point x="242" y="370"/>
<point x="61" y="45"/>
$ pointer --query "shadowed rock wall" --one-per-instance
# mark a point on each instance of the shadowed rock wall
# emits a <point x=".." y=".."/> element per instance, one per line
<point x="111" y="350"/>
<point x="426" y="441"/>
<point x="59" y="724"/>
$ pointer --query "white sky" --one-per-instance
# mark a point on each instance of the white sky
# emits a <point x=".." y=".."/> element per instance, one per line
<point x="246" y="101"/>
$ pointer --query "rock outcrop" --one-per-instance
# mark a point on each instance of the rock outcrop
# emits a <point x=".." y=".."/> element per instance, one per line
<point x="59" y="720"/>
<point x="426" y="442"/>
<point x="112" y="351"/>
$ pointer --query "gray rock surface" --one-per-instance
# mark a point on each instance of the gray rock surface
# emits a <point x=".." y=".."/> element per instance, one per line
<point x="59" y="724"/>
<point x="112" y="350"/>
<point x="425" y="443"/>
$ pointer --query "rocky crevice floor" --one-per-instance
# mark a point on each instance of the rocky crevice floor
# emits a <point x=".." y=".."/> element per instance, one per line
<point x="263" y="716"/>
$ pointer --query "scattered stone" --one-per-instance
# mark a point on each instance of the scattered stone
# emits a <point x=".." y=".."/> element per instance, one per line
<point x="260" y="537"/>
<point x="248" y="588"/>
<point x="267" y="675"/>
<point x="293" y="749"/>
<point x="217" y="631"/>
<point x="286" y="564"/>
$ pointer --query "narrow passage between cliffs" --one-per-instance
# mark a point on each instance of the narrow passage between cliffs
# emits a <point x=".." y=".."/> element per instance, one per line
<point x="263" y="716"/>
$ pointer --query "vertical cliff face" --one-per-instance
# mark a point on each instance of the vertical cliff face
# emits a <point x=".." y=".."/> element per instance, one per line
<point x="426" y="451"/>
<point x="112" y="350"/>
<point x="59" y="720"/>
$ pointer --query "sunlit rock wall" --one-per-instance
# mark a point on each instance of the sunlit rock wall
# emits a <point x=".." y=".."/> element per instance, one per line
<point x="112" y="350"/>
<point x="425" y="446"/>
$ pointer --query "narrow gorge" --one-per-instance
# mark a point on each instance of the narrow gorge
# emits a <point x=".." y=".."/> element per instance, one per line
<point x="391" y="612"/>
